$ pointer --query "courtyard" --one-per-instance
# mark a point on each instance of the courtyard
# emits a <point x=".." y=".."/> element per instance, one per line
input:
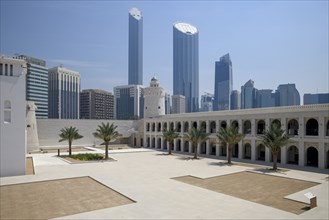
<point x="148" y="180"/>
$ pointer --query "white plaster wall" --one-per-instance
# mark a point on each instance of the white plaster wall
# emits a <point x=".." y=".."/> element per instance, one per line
<point x="154" y="98"/>
<point x="49" y="129"/>
<point x="12" y="135"/>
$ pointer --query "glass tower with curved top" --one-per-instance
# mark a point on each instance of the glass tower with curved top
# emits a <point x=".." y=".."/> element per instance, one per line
<point x="135" y="57"/>
<point x="186" y="64"/>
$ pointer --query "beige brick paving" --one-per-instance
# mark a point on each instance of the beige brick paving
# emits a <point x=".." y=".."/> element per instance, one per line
<point x="260" y="188"/>
<point x="56" y="198"/>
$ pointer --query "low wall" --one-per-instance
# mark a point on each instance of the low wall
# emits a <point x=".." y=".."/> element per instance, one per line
<point x="49" y="130"/>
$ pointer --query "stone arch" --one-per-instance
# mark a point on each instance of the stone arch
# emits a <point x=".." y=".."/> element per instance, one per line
<point x="212" y="148"/>
<point x="312" y="157"/>
<point x="260" y="127"/>
<point x="179" y="127"/>
<point x="178" y="145"/>
<point x="186" y="126"/>
<point x="235" y="124"/>
<point x="292" y="155"/>
<point x="159" y="126"/>
<point x="153" y="142"/>
<point x="235" y="151"/>
<point x="293" y="127"/>
<point x="147" y="126"/>
<point x="260" y="152"/>
<point x="327" y="128"/>
<point x="165" y="143"/>
<point x="203" y="148"/>
<point x="213" y="127"/>
<point x="186" y="146"/>
<point x="312" y="127"/>
<point x="194" y="124"/>
<point x="165" y="125"/>
<point x="222" y="150"/>
<point x="247" y="127"/>
<point x="153" y="127"/>
<point x="171" y="126"/>
<point x="148" y="142"/>
<point x="203" y="126"/>
<point x="159" y="143"/>
<point x="247" y="151"/>
<point x="327" y="156"/>
<point x="277" y="122"/>
<point x="223" y="124"/>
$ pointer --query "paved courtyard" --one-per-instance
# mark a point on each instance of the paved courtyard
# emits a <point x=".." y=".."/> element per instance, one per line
<point x="146" y="177"/>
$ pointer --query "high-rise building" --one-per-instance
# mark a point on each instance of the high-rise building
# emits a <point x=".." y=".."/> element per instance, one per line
<point x="154" y="102"/>
<point x="128" y="102"/>
<point x="223" y="83"/>
<point x="235" y="100"/>
<point x="248" y="95"/>
<point x="167" y="103"/>
<point x="178" y="104"/>
<point x="287" y="95"/>
<point x="318" y="98"/>
<point x="207" y="100"/>
<point x="135" y="59"/>
<point x="63" y="93"/>
<point x="96" y="104"/>
<point x="265" y="98"/>
<point x="37" y="84"/>
<point x="186" y="64"/>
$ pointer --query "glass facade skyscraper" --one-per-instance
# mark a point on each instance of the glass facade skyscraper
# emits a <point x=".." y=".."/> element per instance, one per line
<point x="319" y="98"/>
<point x="128" y="102"/>
<point x="223" y="83"/>
<point x="287" y="95"/>
<point x="63" y="93"/>
<point x="37" y="84"/>
<point x="135" y="53"/>
<point x="186" y="64"/>
<point x="248" y="95"/>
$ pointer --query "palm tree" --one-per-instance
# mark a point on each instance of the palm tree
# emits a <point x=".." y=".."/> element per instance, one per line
<point x="274" y="138"/>
<point x="196" y="136"/>
<point x="170" y="135"/>
<point x="69" y="134"/>
<point x="229" y="136"/>
<point x="107" y="133"/>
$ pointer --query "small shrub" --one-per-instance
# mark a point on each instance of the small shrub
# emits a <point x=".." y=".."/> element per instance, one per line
<point x="87" y="156"/>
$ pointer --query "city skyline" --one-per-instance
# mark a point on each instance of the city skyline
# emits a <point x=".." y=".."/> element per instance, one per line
<point x="293" y="47"/>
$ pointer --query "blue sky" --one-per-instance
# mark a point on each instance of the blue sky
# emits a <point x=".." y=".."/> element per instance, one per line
<point x="270" y="42"/>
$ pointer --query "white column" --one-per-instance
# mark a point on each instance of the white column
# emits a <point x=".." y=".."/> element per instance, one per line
<point x="175" y="145"/>
<point x="217" y="150"/>
<point x="190" y="147"/>
<point x="322" y="155"/>
<point x="253" y="149"/>
<point x="267" y="154"/>
<point x="208" y="147"/>
<point x="284" y="155"/>
<point x="301" y="153"/>
<point x="240" y="156"/>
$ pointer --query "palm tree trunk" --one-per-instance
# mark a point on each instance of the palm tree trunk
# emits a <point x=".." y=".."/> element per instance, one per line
<point x="106" y="151"/>
<point x="275" y="159"/>
<point x="169" y="148"/>
<point x="195" y="147"/>
<point x="229" y="154"/>
<point x="70" y="149"/>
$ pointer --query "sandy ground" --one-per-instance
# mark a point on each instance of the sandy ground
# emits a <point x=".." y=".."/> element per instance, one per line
<point x="29" y="166"/>
<point x="260" y="188"/>
<point x="71" y="196"/>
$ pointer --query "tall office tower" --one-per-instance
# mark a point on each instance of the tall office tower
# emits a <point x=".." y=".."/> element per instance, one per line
<point x="186" y="64"/>
<point x="37" y="84"/>
<point x="178" y="104"/>
<point x="135" y="59"/>
<point x="248" y="95"/>
<point x="235" y="100"/>
<point x="287" y="95"/>
<point x="63" y="93"/>
<point x="12" y="117"/>
<point x="318" y="98"/>
<point x="265" y="98"/>
<point x="154" y="102"/>
<point x="223" y="83"/>
<point x="96" y="104"/>
<point x="128" y="102"/>
<point x="207" y="100"/>
<point x="167" y="103"/>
